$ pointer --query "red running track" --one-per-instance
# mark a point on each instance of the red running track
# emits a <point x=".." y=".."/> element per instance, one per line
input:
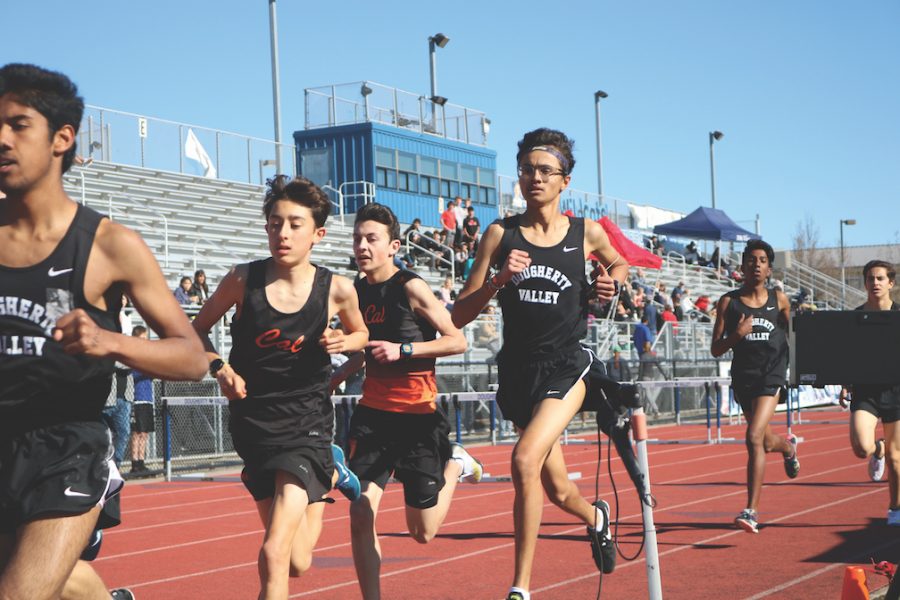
<point x="200" y="540"/>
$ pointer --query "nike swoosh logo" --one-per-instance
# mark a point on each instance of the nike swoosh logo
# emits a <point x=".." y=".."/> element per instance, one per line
<point x="770" y="308"/>
<point x="69" y="491"/>
<point x="53" y="272"/>
<point x="552" y="392"/>
<point x="567" y="249"/>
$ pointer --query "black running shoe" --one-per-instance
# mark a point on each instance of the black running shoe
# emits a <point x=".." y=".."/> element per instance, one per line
<point x="122" y="594"/>
<point x="602" y="546"/>
<point x="515" y="596"/>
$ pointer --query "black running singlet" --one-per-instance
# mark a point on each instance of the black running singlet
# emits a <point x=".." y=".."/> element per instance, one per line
<point x="286" y="369"/>
<point x="386" y="311"/>
<point x="41" y="385"/>
<point x="545" y="306"/>
<point x="762" y="355"/>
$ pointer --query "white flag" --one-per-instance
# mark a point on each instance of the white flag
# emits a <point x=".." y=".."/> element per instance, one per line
<point x="194" y="150"/>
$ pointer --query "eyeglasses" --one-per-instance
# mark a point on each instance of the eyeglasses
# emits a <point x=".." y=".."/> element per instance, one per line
<point x="543" y="172"/>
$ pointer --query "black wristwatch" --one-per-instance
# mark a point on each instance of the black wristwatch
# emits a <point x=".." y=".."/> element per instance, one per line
<point x="406" y="350"/>
<point x="215" y="366"/>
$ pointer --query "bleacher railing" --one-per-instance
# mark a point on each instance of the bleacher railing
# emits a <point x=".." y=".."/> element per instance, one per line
<point x="367" y="101"/>
<point x="138" y="140"/>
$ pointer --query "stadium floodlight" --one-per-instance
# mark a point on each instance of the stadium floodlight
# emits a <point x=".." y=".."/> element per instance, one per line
<point x="438" y="40"/>
<point x="714" y="136"/>
<point x="843" y="278"/>
<point x="599" y="95"/>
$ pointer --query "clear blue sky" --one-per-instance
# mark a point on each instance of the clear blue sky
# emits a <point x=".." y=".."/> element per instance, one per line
<point x="805" y="91"/>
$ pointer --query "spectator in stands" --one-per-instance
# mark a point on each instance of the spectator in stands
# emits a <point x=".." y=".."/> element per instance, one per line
<point x="414" y="235"/>
<point x="487" y="336"/>
<point x="183" y="292"/>
<point x="642" y="334"/>
<point x="651" y="370"/>
<point x="446" y="293"/>
<point x="142" y="414"/>
<point x="702" y="305"/>
<point x="677" y="293"/>
<point x="653" y="318"/>
<point x="669" y="315"/>
<point x="617" y="368"/>
<point x="471" y="226"/>
<point x="687" y="305"/>
<point x="639" y="279"/>
<point x="659" y="296"/>
<point x="459" y="212"/>
<point x="460" y="256"/>
<point x="691" y="255"/>
<point x="117" y="414"/>
<point x="470" y="259"/>
<point x="448" y="221"/>
<point x="200" y="289"/>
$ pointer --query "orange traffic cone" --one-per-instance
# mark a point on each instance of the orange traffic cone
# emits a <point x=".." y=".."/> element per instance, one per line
<point x="855" y="587"/>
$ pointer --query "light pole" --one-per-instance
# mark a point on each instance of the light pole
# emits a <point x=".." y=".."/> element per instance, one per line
<point x="438" y="40"/>
<point x="599" y="95"/>
<point x="843" y="280"/>
<point x="276" y="88"/>
<point x="714" y="136"/>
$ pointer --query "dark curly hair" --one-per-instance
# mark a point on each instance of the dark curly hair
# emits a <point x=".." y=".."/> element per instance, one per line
<point x="758" y="245"/>
<point x="50" y="93"/>
<point x="380" y="214"/>
<point x="300" y="190"/>
<point x="549" y="137"/>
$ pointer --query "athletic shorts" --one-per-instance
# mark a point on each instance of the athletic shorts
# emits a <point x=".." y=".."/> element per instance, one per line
<point x="61" y="470"/>
<point x="523" y="383"/>
<point x="313" y="466"/>
<point x="746" y="392"/>
<point x="414" y="447"/>
<point x="885" y="406"/>
<point x="142" y="418"/>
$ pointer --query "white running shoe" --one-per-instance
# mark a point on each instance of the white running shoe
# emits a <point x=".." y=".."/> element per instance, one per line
<point x="472" y="469"/>
<point x="876" y="465"/>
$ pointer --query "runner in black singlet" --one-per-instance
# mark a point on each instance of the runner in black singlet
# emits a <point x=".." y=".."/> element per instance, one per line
<point x="539" y="260"/>
<point x="282" y="418"/>
<point x="872" y="402"/>
<point x="63" y="271"/>
<point x="397" y="427"/>
<point x="752" y="321"/>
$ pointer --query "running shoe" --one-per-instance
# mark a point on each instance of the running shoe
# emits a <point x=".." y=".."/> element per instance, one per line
<point x="792" y="463"/>
<point x="747" y="521"/>
<point x="893" y="517"/>
<point x="602" y="546"/>
<point x="876" y="465"/>
<point x="347" y="481"/>
<point x="472" y="469"/>
<point x="122" y="594"/>
<point x="515" y="596"/>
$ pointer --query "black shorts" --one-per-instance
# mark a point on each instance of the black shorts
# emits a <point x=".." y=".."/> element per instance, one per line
<point x="414" y="447"/>
<point x="746" y="392"/>
<point x="523" y="383"/>
<point x="885" y="405"/>
<point x="142" y="418"/>
<point x="313" y="466"/>
<point x="61" y="470"/>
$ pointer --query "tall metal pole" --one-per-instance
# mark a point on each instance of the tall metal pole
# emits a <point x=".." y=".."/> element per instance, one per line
<point x="276" y="87"/>
<point x="843" y="280"/>
<point x="713" y="136"/>
<point x="432" y="67"/>
<point x="598" y="95"/>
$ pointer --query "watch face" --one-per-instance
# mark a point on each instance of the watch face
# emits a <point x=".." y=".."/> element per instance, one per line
<point x="406" y="349"/>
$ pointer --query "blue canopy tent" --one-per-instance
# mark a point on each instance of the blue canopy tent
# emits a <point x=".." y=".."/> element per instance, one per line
<point x="707" y="224"/>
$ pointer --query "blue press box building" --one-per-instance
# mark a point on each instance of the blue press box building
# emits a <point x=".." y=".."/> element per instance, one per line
<point x="418" y="158"/>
